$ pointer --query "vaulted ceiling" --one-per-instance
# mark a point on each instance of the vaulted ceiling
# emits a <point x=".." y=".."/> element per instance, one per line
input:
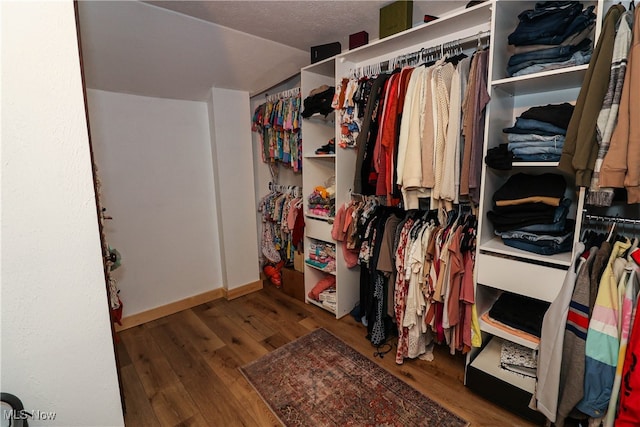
<point x="180" y="49"/>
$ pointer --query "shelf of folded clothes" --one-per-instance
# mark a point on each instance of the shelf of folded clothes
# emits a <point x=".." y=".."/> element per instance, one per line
<point x="497" y="246"/>
<point x="321" y="203"/>
<point x="488" y="361"/>
<point x="499" y="329"/>
<point x="549" y="37"/>
<point x="323" y="294"/>
<point x="535" y="139"/>
<point x="321" y="256"/>
<point x="529" y="218"/>
<point x="320" y="266"/>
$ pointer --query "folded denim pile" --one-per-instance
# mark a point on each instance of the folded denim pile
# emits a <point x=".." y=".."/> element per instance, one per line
<point x="555" y="34"/>
<point x="530" y="213"/>
<point x="538" y="134"/>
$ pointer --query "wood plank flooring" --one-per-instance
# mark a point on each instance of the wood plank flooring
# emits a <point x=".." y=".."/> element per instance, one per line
<point x="182" y="370"/>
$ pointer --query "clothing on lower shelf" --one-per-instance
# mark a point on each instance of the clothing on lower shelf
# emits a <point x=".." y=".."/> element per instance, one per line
<point x="518" y="358"/>
<point x="322" y="255"/>
<point x="321" y="286"/>
<point x="553" y="35"/>
<point x="519" y="312"/>
<point x="530" y="213"/>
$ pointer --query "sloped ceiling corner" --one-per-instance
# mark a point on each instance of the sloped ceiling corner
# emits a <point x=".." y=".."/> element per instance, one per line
<point x="137" y="48"/>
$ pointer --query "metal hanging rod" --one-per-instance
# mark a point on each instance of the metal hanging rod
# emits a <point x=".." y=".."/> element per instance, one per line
<point x="284" y="94"/>
<point x="616" y="219"/>
<point x="413" y="58"/>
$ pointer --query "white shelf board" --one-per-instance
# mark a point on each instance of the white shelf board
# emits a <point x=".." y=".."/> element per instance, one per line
<point x="333" y="273"/>
<point x="328" y="219"/>
<point x="319" y="304"/>
<point x="534" y="164"/>
<point x="495" y="245"/>
<point x="545" y="81"/>
<point x="489" y="361"/>
<point x="329" y="119"/>
<point x="486" y="327"/>
<point x="441" y="27"/>
<point x="326" y="67"/>
<point x="320" y="156"/>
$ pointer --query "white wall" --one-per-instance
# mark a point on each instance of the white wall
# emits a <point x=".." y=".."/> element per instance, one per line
<point x="262" y="177"/>
<point x="154" y="162"/>
<point x="232" y="156"/>
<point x="57" y="351"/>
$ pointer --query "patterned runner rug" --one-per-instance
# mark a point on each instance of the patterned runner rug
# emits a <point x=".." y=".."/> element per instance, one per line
<point x="318" y="380"/>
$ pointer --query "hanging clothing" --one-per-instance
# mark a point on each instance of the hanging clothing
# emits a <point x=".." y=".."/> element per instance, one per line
<point x="580" y="149"/>
<point x="603" y="341"/>
<point x="545" y="396"/>
<point x="603" y="196"/>
<point x="621" y="166"/>
<point x="571" y="384"/>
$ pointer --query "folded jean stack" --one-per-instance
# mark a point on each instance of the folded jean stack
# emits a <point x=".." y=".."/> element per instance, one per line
<point x="530" y="213"/>
<point x="322" y="255"/>
<point x="555" y="34"/>
<point x="538" y="134"/>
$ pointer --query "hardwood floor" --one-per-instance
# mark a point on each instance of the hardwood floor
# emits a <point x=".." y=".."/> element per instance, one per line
<point x="182" y="370"/>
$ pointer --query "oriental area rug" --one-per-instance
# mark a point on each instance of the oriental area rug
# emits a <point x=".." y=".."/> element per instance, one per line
<point x="318" y="380"/>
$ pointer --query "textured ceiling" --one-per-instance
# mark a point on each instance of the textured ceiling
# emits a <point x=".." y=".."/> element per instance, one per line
<point x="181" y="49"/>
<point x="301" y="24"/>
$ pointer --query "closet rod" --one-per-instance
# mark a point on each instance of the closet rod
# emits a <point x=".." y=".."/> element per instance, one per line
<point x="284" y="94"/>
<point x="282" y="188"/>
<point x="618" y="219"/>
<point x="384" y="66"/>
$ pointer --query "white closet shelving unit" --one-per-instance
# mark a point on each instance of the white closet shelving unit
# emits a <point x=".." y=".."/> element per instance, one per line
<point x="317" y="170"/>
<point x="500" y="268"/>
<point x="458" y="23"/>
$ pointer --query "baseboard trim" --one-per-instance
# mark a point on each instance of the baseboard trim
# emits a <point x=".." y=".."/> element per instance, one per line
<point x="184" y="304"/>
<point x="168" y="309"/>
<point x="243" y="290"/>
